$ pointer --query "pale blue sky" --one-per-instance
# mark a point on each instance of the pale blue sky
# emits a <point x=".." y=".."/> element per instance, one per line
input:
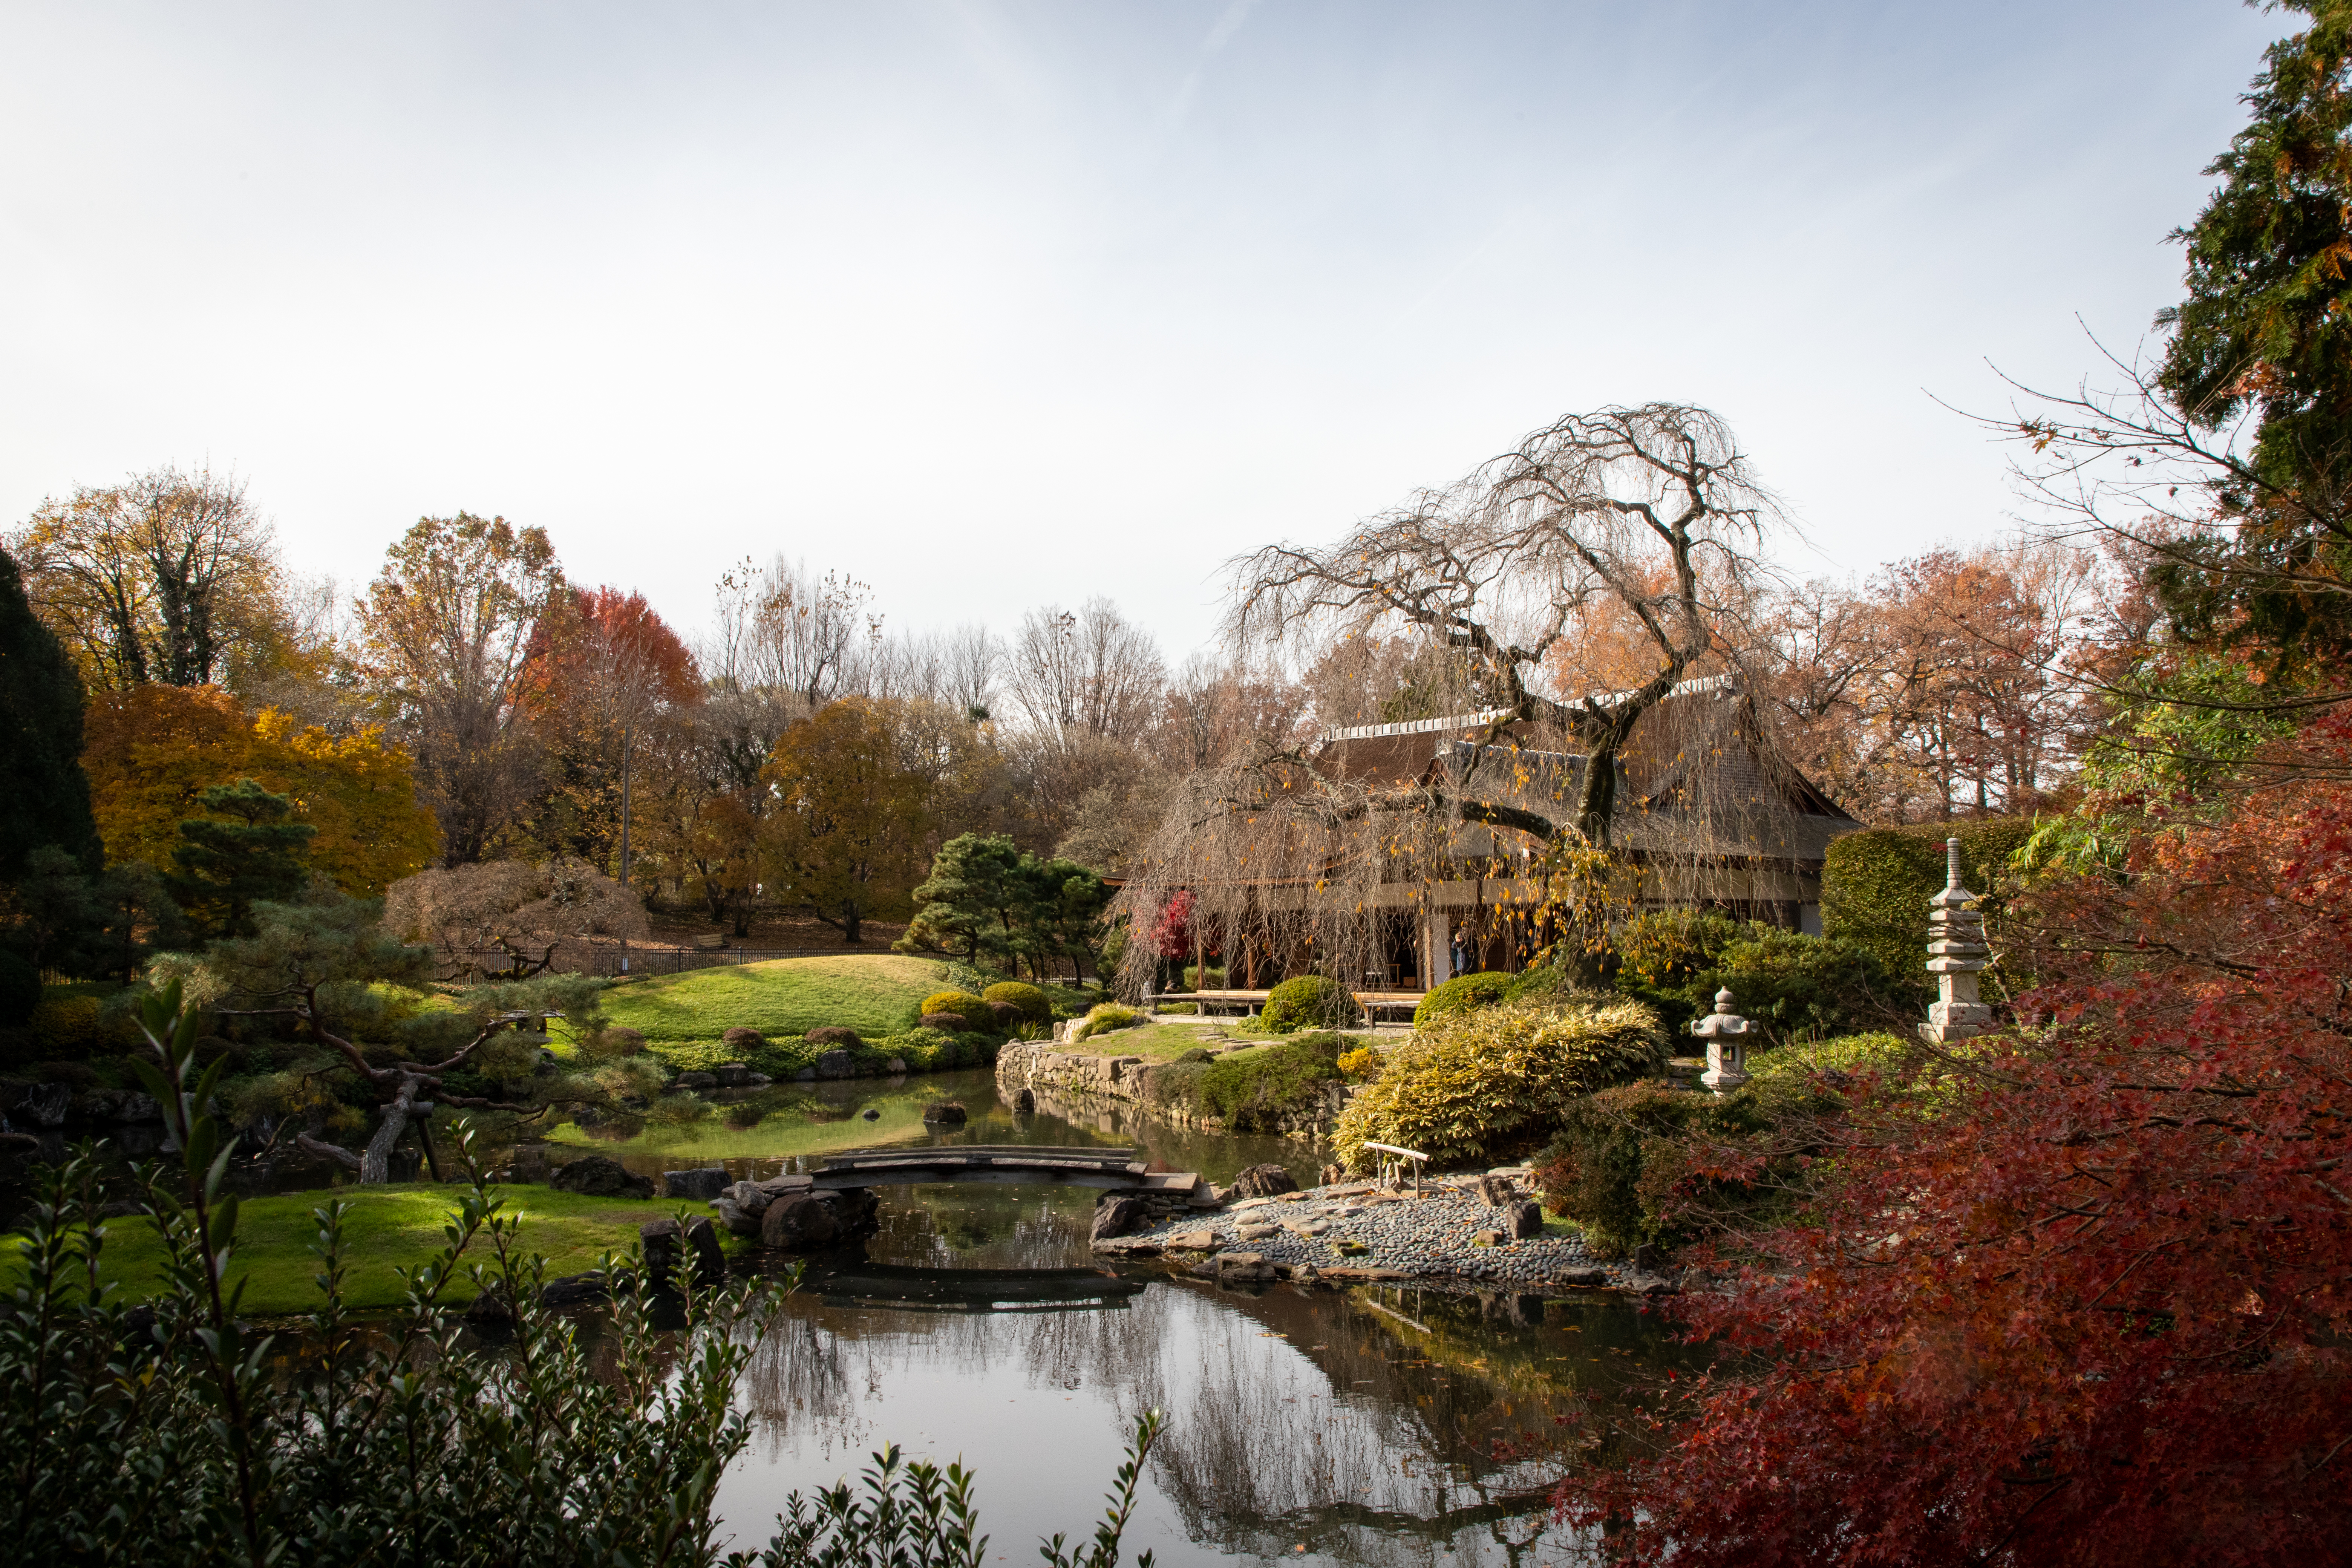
<point x="996" y="304"/>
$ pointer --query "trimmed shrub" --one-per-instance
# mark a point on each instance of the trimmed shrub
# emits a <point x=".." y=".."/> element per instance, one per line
<point x="1310" y="1002"/>
<point x="832" y="1038"/>
<point x="947" y="1022"/>
<point x="1193" y="981"/>
<point x="69" y="1027"/>
<point x="1493" y="1084"/>
<point x="1660" y="951"/>
<point x="1876" y="884"/>
<point x="1251" y="1091"/>
<point x="1105" y="1016"/>
<point x="1359" y="1066"/>
<point x="741" y="1038"/>
<point x="1027" y="1000"/>
<point x="20" y="990"/>
<point x="959" y="1003"/>
<point x="1804" y="988"/>
<point x="1463" y="994"/>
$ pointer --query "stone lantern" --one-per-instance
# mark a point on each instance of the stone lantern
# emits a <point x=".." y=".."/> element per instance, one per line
<point x="1726" y="1034"/>
<point x="1957" y="954"/>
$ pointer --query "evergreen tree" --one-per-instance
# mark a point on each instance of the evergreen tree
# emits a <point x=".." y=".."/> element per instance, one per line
<point x="44" y="798"/>
<point x="2266" y="328"/>
<point x="973" y="903"/>
<point x="246" y="852"/>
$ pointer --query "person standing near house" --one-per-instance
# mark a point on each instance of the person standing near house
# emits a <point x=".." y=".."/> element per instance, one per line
<point x="1461" y="949"/>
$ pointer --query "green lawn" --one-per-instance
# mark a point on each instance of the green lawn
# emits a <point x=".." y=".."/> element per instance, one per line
<point x="779" y="1135"/>
<point x="785" y="996"/>
<point x="388" y="1227"/>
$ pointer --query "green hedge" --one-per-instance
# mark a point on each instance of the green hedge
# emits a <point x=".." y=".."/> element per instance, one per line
<point x="1876" y="884"/>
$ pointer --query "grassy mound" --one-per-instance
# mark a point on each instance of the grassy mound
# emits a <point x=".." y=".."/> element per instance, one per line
<point x="388" y="1228"/>
<point x="875" y="996"/>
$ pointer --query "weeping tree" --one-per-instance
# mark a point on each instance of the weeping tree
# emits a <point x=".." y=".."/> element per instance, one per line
<point x="322" y="969"/>
<point x="1549" y="602"/>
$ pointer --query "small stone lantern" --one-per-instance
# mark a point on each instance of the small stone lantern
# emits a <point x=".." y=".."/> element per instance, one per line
<point x="1726" y="1034"/>
<point x="1957" y="954"/>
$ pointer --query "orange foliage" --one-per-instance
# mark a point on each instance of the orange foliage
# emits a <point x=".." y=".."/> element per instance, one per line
<point x="152" y="751"/>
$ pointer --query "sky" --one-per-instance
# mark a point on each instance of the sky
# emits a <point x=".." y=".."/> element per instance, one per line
<point x="994" y="306"/>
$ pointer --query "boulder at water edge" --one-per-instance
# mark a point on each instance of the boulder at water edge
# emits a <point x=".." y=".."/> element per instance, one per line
<point x="702" y="1185"/>
<point x="599" y="1176"/>
<point x="45" y="1104"/>
<point x="1117" y="1216"/>
<point x="659" y="1239"/>
<point x="1526" y="1220"/>
<point x="835" y="1064"/>
<point x="1262" y="1182"/>
<point x="799" y="1224"/>
<point x="945" y="1113"/>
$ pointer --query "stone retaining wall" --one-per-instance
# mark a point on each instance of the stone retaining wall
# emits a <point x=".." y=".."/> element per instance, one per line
<point x="1125" y="1085"/>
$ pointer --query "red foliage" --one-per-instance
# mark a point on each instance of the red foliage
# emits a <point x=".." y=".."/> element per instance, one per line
<point x="607" y="638"/>
<point x="1171" y="928"/>
<point x="2094" y="1309"/>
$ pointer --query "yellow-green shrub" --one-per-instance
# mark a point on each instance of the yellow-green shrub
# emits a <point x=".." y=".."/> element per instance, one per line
<point x="1493" y="1083"/>
<point x="1359" y="1066"/>
<point x="971" y="1009"/>
<point x="1034" y="1004"/>
<point x="1104" y="1017"/>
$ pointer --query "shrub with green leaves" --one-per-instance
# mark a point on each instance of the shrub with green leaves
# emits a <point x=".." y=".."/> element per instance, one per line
<point x="1463" y="994"/>
<point x="1033" y="1003"/>
<point x="972" y="1010"/>
<point x="1876" y="884"/>
<point x="1105" y="1016"/>
<point x="1254" y="1092"/>
<point x="178" y="1433"/>
<point x="1799" y="987"/>
<point x="1308" y="1002"/>
<point x="1493" y="1084"/>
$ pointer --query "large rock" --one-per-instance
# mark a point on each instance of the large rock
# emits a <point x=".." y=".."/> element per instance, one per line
<point x="1496" y="1192"/>
<point x="799" y="1224"/>
<point x="45" y="1104"/>
<point x="702" y="1185"/>
<point x="660" y="1240"/>
<point x="945" y="1113"/>
<point x="137" y="1108"/>
<point x="599" y="1176"/>
<point x="734" y="1218"/>
<point x="694" y="1080"/>
<point x="1526" y="1220"/>
<point x="1262" y="1182"/>
<point x="734" y="1075"/>
<point x="835" y="1064"/>
<point x="575" y="1290"/>
<point x="1118" y="1215"/>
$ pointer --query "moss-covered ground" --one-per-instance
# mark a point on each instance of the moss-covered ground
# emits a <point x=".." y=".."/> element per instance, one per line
<point x="388" y="1228"/>
<point x="875" y="995"/>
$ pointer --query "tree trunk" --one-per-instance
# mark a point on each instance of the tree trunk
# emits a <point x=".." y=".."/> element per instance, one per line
<point x="375" y="1163"/>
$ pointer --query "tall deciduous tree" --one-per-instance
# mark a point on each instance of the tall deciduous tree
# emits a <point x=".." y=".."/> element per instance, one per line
<point x="509" y="920"/>
<point x="44" y="796"/>
<point x="447" y="632"/>
<point x="845" y="838"/>
<point x="1092" y="674"/>
<point x="169" y="577"/>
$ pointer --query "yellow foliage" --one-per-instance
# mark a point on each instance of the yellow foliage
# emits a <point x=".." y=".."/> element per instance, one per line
<point x="1359" y="1066"/>
<point x="1479" y="1086"/>
<point x="151" y="751"/>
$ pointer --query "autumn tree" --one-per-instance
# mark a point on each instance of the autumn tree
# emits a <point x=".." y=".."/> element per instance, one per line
<point x="170" y="577"/>
<point x="604" y="671"/>
<point x="152" y="753"/>
<point x="845" y="840"/>
<point x="2075" y="1295"/>
<point x="447" y="632"/>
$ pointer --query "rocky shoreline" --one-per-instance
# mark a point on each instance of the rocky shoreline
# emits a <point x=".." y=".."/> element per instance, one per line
<point x="1472" y="1230"/>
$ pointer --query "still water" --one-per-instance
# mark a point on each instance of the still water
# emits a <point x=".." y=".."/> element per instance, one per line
<point x="1375" y="1426"/>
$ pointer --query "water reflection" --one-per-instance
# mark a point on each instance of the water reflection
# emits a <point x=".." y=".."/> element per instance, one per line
<point x="1363" y="1425"/>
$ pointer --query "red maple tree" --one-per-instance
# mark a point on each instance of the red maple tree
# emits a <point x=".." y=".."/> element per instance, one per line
<point x="2082" y="1297"/>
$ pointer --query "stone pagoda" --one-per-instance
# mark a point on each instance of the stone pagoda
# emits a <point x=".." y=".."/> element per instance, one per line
<point x="1957" y="954"/>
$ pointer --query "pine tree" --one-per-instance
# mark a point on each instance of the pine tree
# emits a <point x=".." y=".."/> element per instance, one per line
<point x="248" y="852"/>
<point x="44" y="798"/>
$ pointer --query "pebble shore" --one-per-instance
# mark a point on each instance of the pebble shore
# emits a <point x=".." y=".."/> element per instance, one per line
<point x="1358" y="1231"/>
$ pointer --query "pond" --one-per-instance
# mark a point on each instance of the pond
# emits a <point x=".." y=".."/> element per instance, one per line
<point x="1381" y="1425"/>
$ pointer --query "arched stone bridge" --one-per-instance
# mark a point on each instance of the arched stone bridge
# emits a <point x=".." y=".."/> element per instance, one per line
<point x="1027" y="1164"/>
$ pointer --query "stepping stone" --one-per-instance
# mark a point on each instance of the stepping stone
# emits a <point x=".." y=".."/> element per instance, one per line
<point x="1193" y="1240"/>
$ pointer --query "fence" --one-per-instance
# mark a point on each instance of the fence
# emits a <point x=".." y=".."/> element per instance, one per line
<point x="599" y="958"/>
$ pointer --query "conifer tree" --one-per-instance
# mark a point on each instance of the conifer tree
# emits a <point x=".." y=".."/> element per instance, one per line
<point x="248" y="851"/>
<point x="44" y="798"/>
